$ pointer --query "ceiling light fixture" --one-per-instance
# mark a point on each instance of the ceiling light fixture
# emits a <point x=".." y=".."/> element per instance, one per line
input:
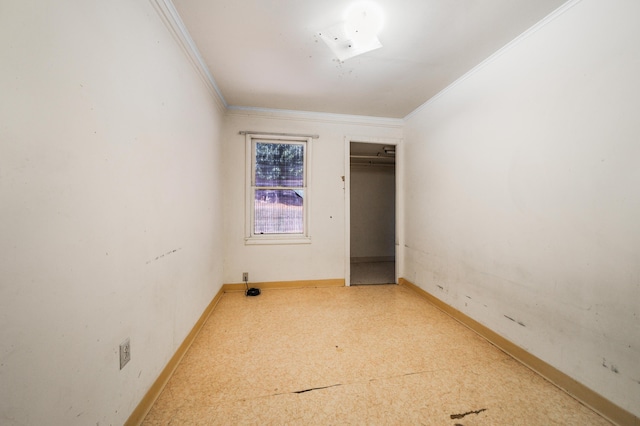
<point x="357" y="33"/>
<point x="362" y="23"/>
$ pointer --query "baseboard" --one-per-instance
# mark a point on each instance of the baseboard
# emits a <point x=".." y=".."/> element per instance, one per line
<point x="156" y="388"/>
<point x="337" y="282"/>
<point x="588" y="397"/>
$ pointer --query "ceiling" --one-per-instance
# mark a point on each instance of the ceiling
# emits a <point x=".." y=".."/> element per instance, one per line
<point x="267" y="53"/>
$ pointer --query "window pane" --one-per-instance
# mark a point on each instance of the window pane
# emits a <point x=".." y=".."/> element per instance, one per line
<point x="279" y="211"/>
<point x="279" y="164"/>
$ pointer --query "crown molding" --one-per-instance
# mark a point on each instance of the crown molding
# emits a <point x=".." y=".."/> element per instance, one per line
<point x="171" y="18"/>
<point x="321" y="117"/>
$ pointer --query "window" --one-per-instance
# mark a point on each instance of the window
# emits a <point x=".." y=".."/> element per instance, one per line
<point x="278" y="193"/>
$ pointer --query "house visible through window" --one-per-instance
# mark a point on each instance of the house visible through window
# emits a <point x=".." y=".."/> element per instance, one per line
<point x="279" y="189"/>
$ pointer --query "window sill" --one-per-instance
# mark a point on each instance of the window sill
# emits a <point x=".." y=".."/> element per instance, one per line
<point x="275" y="240"/>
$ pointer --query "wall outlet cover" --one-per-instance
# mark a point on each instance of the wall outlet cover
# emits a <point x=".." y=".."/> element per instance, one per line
<point x="125" y="353"/>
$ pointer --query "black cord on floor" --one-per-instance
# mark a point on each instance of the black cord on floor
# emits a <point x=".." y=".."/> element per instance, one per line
<point x="251" y="291"/>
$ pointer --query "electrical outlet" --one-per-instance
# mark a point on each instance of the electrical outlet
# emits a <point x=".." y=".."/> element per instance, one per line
<point x="125" y="353"/>
<point x="245" y="277"/>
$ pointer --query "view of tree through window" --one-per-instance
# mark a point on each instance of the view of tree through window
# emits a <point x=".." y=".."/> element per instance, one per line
<point x="279" y="188"/>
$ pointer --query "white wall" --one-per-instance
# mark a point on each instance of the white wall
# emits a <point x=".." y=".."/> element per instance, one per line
<point x="373" y="225"/>
<point x="324" y="258"/>
<point x="522" y="198"/>
<point x="110" y="215"/>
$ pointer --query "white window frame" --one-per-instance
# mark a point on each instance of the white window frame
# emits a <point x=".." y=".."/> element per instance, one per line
<point x="250" y="236"/>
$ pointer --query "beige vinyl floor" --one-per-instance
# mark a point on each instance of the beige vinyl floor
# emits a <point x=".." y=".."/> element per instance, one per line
<point x="366" y="355"/>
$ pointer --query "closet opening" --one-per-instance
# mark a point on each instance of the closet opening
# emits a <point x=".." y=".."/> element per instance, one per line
<point x="372" y="213"/>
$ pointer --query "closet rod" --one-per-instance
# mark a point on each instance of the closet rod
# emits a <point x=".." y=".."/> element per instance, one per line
<point x="373" y="157"/>
<point x="249" y="132"/>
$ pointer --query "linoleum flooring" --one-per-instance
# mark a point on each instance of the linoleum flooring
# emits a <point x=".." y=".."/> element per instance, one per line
<point x="366" y="355"/>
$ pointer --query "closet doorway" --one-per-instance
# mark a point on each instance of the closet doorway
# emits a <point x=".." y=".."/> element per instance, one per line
<point x="372" y="213"/>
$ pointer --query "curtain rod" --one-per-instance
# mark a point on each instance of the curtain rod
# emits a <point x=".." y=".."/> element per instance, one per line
<point x="249" y="132"/>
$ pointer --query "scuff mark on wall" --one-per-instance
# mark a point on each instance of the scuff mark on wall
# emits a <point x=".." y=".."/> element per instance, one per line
<point x="516" y="321"/>
<point x="170" y="252"/>
<point x="610" y="366"/>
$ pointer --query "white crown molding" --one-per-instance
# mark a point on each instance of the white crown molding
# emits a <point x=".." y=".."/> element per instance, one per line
<point x="171" y="18"/>
<point x="176" y="27"/>
<point x="322" y="117"/>
<point x="528" y="33"/>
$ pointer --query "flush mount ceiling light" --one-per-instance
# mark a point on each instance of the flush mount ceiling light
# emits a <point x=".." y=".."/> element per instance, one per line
<point x="362" y="23"/>
<point x="357" y="33"/>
